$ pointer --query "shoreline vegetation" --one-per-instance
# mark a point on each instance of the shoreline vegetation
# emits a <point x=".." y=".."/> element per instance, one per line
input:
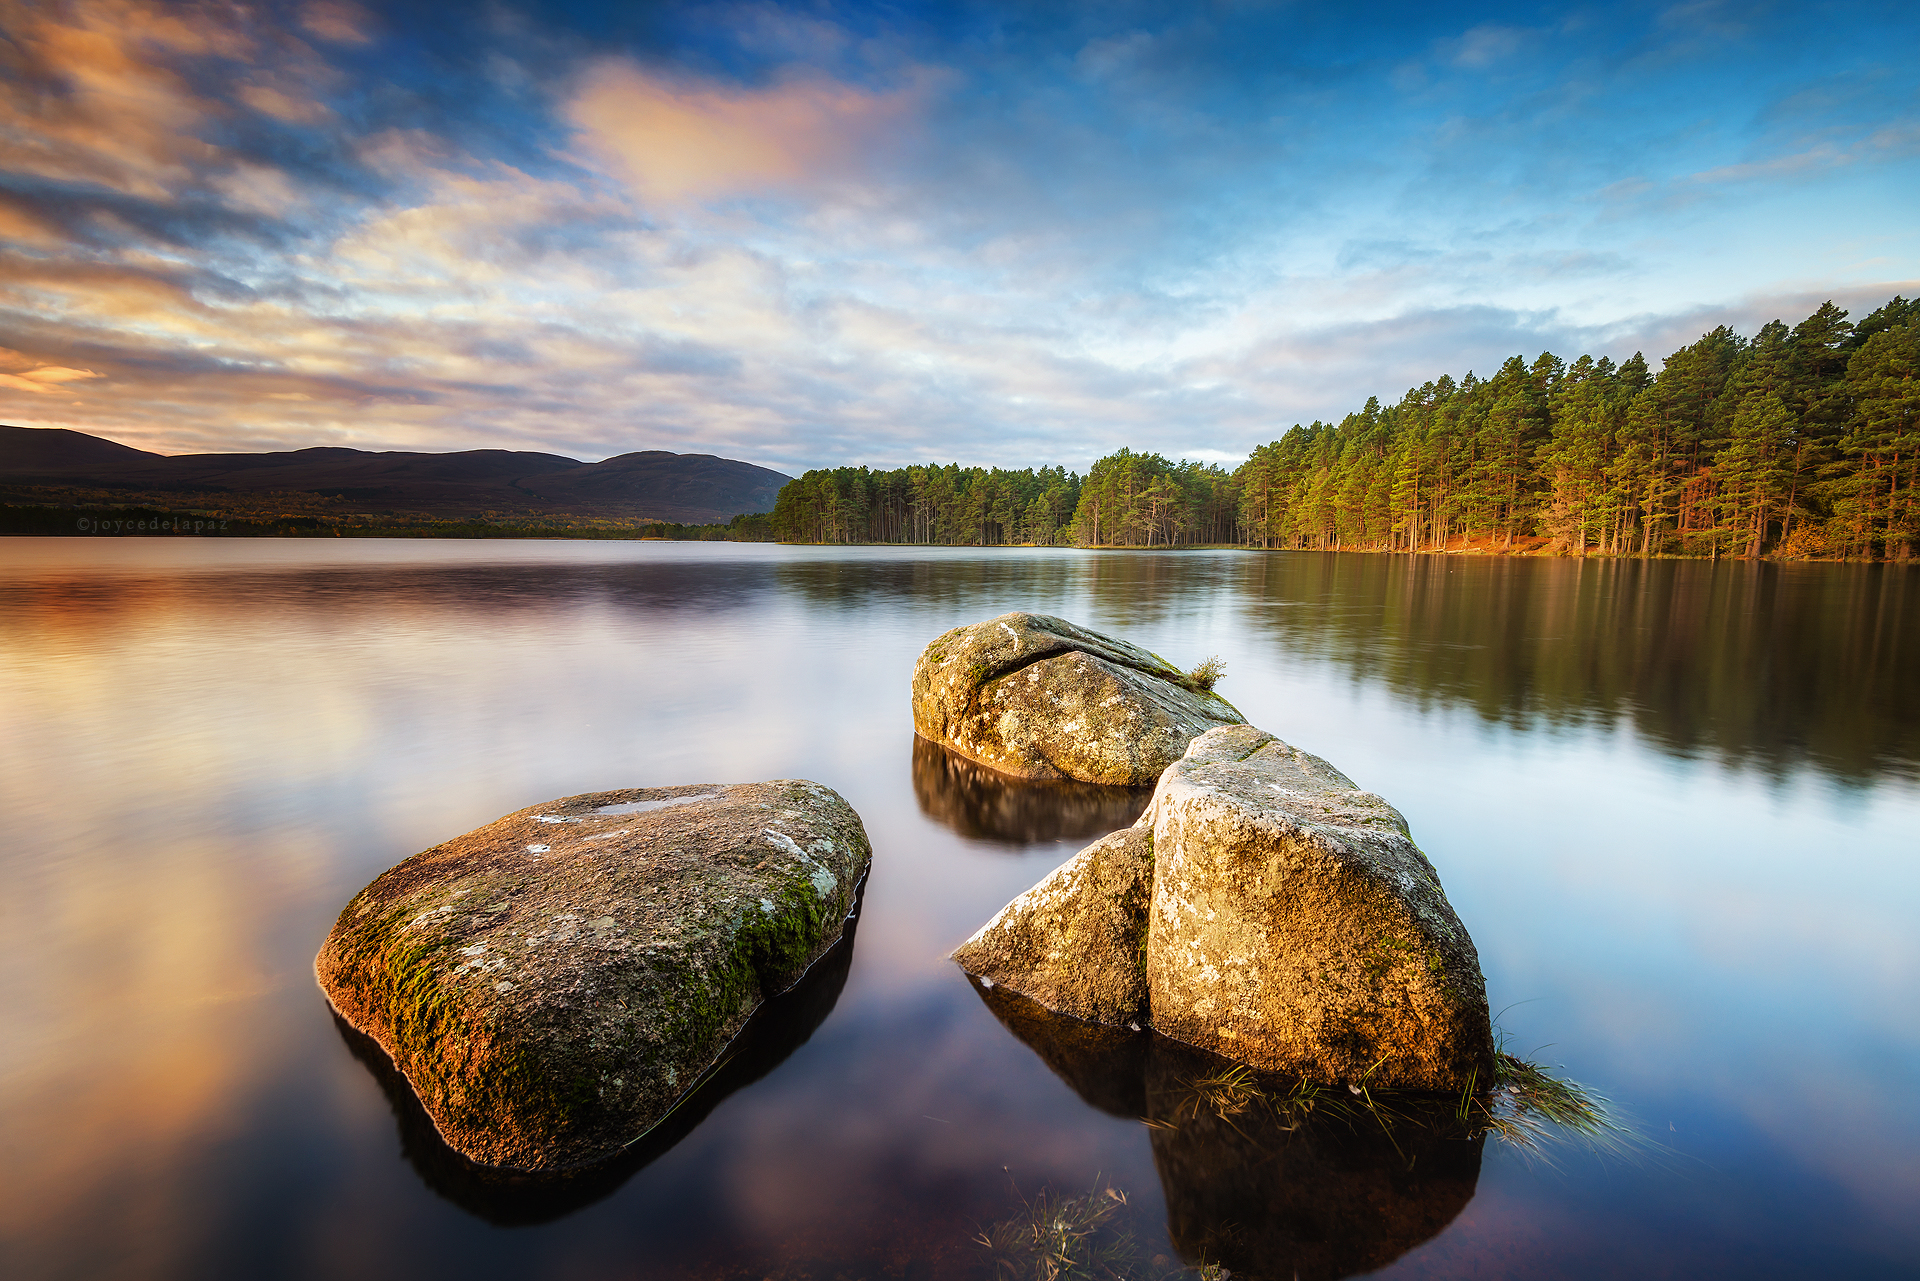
<point x="101" y="519"/>
<point x="1800" y="443"/>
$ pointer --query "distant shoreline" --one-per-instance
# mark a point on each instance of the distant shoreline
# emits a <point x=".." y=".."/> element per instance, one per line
<point x="141" y="522"/>
<point x="47" y="521"/>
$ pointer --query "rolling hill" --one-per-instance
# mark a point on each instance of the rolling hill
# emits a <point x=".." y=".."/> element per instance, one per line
<point x="37" y="463"/>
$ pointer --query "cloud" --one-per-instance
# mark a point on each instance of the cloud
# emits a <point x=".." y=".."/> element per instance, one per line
<point x="688" y="140"/>
<point x="877" y="238"/>
<point x="337" y="21"/>
<point x="1483" y="46"/>
<point x="51" y="378"/>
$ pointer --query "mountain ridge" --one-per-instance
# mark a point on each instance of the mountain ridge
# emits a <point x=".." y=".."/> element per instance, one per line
<point x="651" y="484"/>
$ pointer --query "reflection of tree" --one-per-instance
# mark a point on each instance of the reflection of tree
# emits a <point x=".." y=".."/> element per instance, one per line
<point x="1774" y="664"/>
<point x="775" y="1031"/>
<point x="1255" y="1179"/>
<point x="1763" y="663"/>
<point x="984" y="804"/>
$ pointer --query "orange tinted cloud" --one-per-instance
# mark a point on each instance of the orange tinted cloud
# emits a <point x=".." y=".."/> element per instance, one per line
<point x="48" y="379"/>
<point x="687" y="142"/>
<point x="97" y="105"/>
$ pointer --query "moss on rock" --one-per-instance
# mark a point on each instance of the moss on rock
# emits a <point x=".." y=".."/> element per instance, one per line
<point x="1038" y="697"/>
<point x="551" y="983"/>
<point x="1290" y="924"/>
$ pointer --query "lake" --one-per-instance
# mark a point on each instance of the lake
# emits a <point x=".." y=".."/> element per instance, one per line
<point x="1677" y="804"/>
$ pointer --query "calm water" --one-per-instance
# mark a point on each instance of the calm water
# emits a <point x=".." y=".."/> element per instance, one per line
<point x="1678" y="805"/>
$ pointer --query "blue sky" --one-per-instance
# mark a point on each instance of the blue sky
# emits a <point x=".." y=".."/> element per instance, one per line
<point x="808" y="235"/>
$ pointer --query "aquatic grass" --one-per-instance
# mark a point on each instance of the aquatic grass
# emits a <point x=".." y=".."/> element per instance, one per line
<point x="1525" y="1105"/>
<point x="1226" y="1093"/>
<point x="1529" y="1108"/>
<point x="1077" y="1238"/>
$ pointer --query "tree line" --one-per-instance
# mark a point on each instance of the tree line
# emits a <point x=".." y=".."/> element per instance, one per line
<point x="1801" y="441"/>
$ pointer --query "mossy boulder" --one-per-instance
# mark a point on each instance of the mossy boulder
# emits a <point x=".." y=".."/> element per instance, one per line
<point x="1076" y="942"/>
<point x="1038" y="697"/>
<point x="550" y="984"/>
<point x="1292" y="925"/>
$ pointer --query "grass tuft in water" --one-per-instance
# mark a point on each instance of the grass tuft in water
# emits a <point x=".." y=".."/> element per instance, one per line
<point x="1078" y="1238"/>
<point x="1225" y="1094"/>
<point x="1525" y="1105"/>
<point x="1529" y="1106"/>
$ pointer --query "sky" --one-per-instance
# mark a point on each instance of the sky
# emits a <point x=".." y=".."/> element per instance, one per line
<point x="814" y="235"/>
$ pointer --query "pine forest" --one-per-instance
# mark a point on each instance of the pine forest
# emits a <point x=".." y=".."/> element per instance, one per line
<point x="1799" y="442"/>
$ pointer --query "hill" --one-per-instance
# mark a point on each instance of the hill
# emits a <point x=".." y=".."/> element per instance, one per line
<point x="43" y="464"/>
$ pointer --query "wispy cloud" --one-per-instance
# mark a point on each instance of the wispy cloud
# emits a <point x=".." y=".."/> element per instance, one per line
<point x="805" y="238"/>
<point x="692" y="141"/>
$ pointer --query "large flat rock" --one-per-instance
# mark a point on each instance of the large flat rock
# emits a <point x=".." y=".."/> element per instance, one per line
<point x="1038" y="697"/>
<point x="550" y="984"/>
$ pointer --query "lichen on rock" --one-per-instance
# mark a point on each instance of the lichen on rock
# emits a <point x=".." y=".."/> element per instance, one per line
<point x="1038" y="697"/>
<point x="551" y="983"/>
<point x="1292" y="925"/>
<point x="1076" y="942"/>
<point x="1296" y="926"/>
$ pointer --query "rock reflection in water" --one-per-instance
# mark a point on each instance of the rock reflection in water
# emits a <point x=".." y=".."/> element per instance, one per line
<point x="1266" y="1190"/>
<point x="509" y="1199"/>
<point x="986" y="805"/>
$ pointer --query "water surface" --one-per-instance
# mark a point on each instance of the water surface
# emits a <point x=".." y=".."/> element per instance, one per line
<point x="1675" y="803"/>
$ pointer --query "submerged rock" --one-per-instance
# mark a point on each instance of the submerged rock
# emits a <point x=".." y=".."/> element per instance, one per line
<point x="550" y="984"/>
<point x="1076" y="942"/>
<point x="1292" y="925"/>
<point x="1036" y="696"/>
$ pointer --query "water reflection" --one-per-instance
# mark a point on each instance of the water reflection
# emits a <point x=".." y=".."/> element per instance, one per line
<point x="209" y="749"/>
<point x="982" y="804"/>
<point x="1267" y="1191"/>
<point x="510" y="1199"/>
<point x="1766" y="664"/>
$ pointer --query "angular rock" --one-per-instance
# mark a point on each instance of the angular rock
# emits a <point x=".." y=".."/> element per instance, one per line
<point x="1036" y="696"/>
<point x="1297" y="928"/>
<point x="1076" y="942"/>
<point x="550" y="984"/>
<point x="1292" y="925"/>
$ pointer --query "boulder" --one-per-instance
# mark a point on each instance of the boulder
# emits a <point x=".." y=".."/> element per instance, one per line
<point x="1076" y="942"/>
<point x="552" y="983"/>
<point x="1037" y="697"/>
<point x="1292" y="925"/>
<point x="514" y="1198"/>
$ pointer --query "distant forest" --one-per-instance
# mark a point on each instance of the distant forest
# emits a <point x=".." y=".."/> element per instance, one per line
<point x="1801" y="442"/>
